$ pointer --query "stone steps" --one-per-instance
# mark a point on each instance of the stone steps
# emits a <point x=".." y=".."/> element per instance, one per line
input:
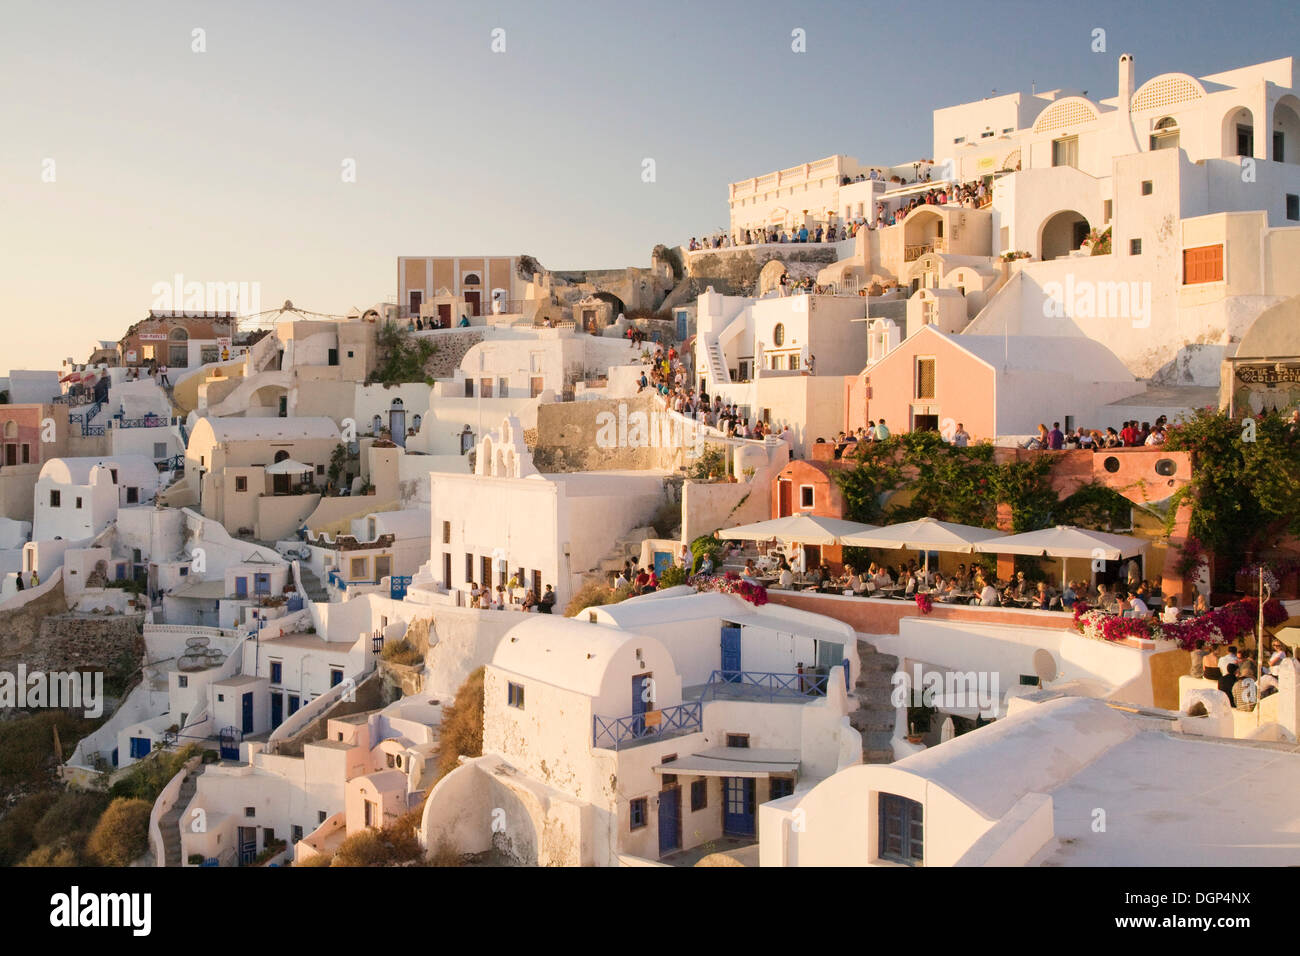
<point x="170" y="822"/>
<point x="876" y="715"/>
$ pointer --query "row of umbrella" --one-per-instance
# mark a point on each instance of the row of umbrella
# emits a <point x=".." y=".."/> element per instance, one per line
<point x="927" y="534"/>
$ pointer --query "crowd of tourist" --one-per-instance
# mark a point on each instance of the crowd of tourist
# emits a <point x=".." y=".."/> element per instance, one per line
<point x="1237" y="675"/>
<point x="669" y="376"/>
<point x="511" y="597"/>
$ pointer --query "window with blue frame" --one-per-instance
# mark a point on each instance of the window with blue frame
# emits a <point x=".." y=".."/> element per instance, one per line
<point x="336" y="676"/>
<point x="699" y="794"/>
<point x="901" y="831"/>
<point x="515" y="695"/>
<point x="140" y="747"/>
<point x="276" y="669"/>
<point x="780" y="787"/>
<point x="261" y="584"/>
<point x="637" y="813"/>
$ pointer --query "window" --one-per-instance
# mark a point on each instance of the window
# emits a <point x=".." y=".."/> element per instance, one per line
<point x="637" y="813"/>
<point x="1065" y="152"/>
<point x="794" y="362"/>
<point x="160" y="449"/>
<point x="958" y="140"/>
<point x="320" y="469"/>
<point x="780" y="787"/>
<point x="182" y="680"/>
<point x="336" y="676"/>
<point x="241" y="587"/>
<point x="1146" y="187"/>
<point x="262" y="584"/>
<point x="1135" y="247"/>
<point x="55" y="498"/>
<point x="321" y="816"/>
<point x="277" y="669"/>
<point x="778" y="334"/>
<point x="297" y="833"/>
<point x="901" y="832"/>
<point x="446" y="532"/>
<point x="737" y="740"/>
<point x="1106" y="209"/>
<point x="986" y="134"/>
<point x="1292" y="212"/>
<point x="241" y="484"/>
<point x="699" y="794"/>
<point x="925" y="378"/>
<point x="132" y="496"/>
<point x="515" y="695"/>
<point x="250" y="811"/>
<point x="357" y="568"/>
<point x="78" y="502"/>
<point x="140" y="747"/>
<point x="1203" y="264"/>
<point x="805" y="496"/>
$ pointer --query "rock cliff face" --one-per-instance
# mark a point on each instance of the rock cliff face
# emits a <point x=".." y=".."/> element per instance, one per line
<point x="734" y="271"/>
<point x="44" y="636"/>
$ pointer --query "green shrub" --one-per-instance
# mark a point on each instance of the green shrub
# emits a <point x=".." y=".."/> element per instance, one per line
<point x="401" y="652"/>
<point x="16" y="826"/>
<point x="387" y="847"/>
<point x="705" y="544"/>
<point x="122" y="834"/>
<point x="146" y="779"/>
<point x="70" y="819"/>
<point x="461" y="733"/>
<point x="711" y="464"/>
<point x="672" y="577"/>
<point x="195" y="859"/>
<point x="51" y="856"/>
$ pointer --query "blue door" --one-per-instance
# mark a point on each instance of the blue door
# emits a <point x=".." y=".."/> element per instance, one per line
<point x="293" y="704"/>
<point x="247" y="845"/>
<point x="140" y="747"/>
<point x="641" y="685"/>
<point x="663" y="561"/>
<point x="248" y="713"/>
<point x="277" y="709"/>
<point x="731" y="653"/>
<point x="397" y="585"/>
<point x="670" y="820"/>
<point x="228" y="743"/>
<point x="738" y="812"/>
<point x="681" y="326"/>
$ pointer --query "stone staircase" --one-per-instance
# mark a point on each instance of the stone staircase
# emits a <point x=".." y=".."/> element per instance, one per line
<point x="625" y="548"/>
<point x="170" y="822"/>
<point x="312" y="585"/>
<point x="717" y="364"/>
<point x="876" y="714"/>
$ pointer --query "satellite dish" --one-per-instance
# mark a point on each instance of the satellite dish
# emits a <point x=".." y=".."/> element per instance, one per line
<point x="1045" y="667"/>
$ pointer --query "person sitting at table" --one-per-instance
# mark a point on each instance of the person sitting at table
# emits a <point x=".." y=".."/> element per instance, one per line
<point x="1040" y="599"/>
<point x="883" y="578"/>
<point x="1069" y="595"/>
<point x="749" y="572"/>
<point x="785" y="580"/>
<point x="1201" y="606"/>
<point x="989" y="595"/>
<point x="706" y="566"/>
<point x="1105" y="599"/>
<point x="1173" y="610"/>
<point x="962" y="578"/>
<point x="853" y="580"/>
<point x="909" y="589"/>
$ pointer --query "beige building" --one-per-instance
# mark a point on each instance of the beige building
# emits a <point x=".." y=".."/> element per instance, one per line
<point x="454" y="286"/>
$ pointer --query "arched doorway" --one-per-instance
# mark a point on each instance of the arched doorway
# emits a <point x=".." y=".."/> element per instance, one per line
<point x="922" y="233"/>
<point x="1239" y="132"/>
<point x="1285" y="145"/>
<point x="397" y="422"/>
<point x="280" y="484"/>
<point x="472" y="292"/>
<point x="769" y="277"/>
<point x="178" y="348"/>
<point x="1061" y="234"/>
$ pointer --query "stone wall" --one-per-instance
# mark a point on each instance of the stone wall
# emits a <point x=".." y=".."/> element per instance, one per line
<point x="734" y="271"/>
<point x="452" y="347"/>
<point x="574" y="436"/>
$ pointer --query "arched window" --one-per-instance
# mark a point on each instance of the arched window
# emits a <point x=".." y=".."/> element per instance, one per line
<point x="471" y="279"/>
<point x="415" y="422"/>
<point x="281" y="455"/>
<point x="11" y="429"/>
<point x="778" y="334"/>
<point x="178" y="335"/>
<point x="397" y="403"/>
<point x="376" y="425"/>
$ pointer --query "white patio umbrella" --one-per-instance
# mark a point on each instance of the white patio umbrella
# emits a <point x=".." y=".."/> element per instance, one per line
<point x="800" y="529"/>
<point x="926" y="535"/>
<point x="288" y="467"/>
<point x="1065" y="542"/>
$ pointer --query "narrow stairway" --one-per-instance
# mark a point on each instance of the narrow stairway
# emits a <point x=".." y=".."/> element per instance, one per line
<point x="170" y="822"/>
<point x="876" y="714"/>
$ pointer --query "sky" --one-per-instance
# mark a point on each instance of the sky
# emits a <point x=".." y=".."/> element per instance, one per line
<point x="228" y="164"/>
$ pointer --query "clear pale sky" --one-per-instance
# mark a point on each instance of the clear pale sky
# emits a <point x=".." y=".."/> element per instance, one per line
<point x="226" y="166"/>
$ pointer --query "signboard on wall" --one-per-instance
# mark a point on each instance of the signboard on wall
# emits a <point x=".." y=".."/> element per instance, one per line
<point x="152" y="336"/>
<point x="1275" y="374"/>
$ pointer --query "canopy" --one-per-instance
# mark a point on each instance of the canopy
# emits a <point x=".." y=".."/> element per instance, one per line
<point x="798" y="529"/>
<point x="1066" y="541"/>
<point x="288" y="467"/>
<point x="925" y="534"/>
<point x="733" y="762"/>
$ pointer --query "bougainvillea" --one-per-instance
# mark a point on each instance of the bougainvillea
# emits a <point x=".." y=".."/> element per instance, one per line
<point x="925" y="603"/>
<point x="1223" y="625"/>
<point x="730" y="583"/>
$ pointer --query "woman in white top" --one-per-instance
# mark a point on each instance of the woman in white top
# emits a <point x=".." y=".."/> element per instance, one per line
<point x="989" y="596"/>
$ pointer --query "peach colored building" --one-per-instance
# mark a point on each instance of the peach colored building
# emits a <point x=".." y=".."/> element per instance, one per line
<point x="453" y="282"/>
<point x="993" y="385"/>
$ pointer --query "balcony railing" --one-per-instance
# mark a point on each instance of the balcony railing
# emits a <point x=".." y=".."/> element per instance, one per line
<point x="914" y="252"/>
<point x="616" y="733"/>
<point x="766" y="685"/>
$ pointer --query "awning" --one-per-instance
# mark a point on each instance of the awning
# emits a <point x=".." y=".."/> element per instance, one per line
<point x="783" y="625"/>
<point x="734" y="762"/>
<point x="288" y="467"/>
<point x="204" y="590"/>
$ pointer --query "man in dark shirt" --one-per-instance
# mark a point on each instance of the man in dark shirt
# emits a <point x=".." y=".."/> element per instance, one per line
<point x="1055" y="438"/>
<point x="1226" y="682"/>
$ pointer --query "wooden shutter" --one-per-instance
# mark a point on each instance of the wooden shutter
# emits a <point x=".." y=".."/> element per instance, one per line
<point x="1203" y="264"/>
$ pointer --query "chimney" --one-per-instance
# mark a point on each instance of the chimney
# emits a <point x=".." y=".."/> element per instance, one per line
<point x="1126" y="82"/>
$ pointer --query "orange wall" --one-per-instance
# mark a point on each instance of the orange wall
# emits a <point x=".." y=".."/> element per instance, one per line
<point x="964" y="388"/>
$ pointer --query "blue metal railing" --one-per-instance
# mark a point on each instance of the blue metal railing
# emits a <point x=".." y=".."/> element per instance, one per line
<point x="766" y="684"/>
<point x="615" y="733"/>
